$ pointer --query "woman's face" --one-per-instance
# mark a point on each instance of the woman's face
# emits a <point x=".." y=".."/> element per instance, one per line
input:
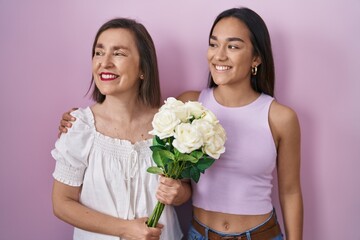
<point x="230" y="53"/>
<point x="116" y="62"/>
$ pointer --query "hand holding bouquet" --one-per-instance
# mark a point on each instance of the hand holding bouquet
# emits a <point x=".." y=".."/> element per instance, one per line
<point x="187" y="140"/>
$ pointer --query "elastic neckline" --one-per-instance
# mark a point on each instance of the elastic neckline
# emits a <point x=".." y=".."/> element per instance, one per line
<point x="251" y="104"/>
<point x="120" y="141"/>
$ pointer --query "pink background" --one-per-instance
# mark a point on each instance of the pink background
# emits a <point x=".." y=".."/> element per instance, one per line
<point x="45" y="61"/>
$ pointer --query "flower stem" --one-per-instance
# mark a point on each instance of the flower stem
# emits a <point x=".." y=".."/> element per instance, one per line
<point x="156" y="214"/>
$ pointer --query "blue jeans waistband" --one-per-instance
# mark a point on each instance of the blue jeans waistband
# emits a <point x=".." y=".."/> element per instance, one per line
<point x="269" y="228"/>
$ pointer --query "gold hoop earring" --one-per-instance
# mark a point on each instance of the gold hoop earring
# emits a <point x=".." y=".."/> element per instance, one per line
<point x="254" y="70"/>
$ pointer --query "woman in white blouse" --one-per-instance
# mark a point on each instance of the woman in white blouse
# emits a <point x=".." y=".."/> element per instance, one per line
<point x="101" y="186"/>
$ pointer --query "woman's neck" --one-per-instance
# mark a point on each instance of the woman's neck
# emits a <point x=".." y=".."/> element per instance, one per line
<point x="230" y="96"/>
<point x="124" y="109"/>
<point x="130" y="120"/>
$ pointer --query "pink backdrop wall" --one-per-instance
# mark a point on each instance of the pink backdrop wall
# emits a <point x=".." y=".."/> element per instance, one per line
<point x="45" y="70"/>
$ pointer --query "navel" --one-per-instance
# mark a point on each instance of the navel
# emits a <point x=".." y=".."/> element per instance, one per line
<point x="226" y="226"/>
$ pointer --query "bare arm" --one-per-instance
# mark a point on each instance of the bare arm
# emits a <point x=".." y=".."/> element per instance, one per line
<point x="67" y="207"/>
<point x="286" y="132"/>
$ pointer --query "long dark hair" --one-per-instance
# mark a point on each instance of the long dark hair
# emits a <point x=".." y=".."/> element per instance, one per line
<point x="264" y="81"/>
<point x="149" y="88"/>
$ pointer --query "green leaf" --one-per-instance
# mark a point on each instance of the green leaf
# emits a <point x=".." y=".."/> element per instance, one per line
<point x="169" y="168"/>
<point x="166" y="161"/>
<point x="155" y="170"/>
<point x="161" y="157"/>
<point x="195" y="174"/>
<point x="177" y="153"/>
<point x="157" y="158"/>
<point x="168" y="144"/>
<point x="187" y="158"/>
<point x="197" y="154"/>
<point x="204" y="163"/>
<point x="186" y="173"/>
<point x="157" y="147"/>
<point x="165" y="154"/>
<point x="158" y="141"/>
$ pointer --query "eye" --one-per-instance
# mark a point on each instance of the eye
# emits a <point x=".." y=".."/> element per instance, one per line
<point x="98" y="53"/>
<point x="119" y="53"/>
<point x="212" y="45"/>
<point x="233" y="47"/>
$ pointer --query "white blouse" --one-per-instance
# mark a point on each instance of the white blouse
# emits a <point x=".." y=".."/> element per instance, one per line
<point x="112" y="173"/>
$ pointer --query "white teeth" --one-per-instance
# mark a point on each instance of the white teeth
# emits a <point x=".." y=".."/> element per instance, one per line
<point x="108" y="76"/>
<point x="221" y="68"/>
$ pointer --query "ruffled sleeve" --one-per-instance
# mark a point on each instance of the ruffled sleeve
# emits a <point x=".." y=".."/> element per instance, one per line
<point x="72" y="149"/>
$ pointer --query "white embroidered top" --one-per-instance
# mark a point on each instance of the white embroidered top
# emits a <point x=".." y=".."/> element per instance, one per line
<point x="112" y="173"/>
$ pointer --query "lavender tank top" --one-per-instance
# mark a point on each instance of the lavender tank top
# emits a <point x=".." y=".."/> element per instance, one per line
<point x="240" y="182"/>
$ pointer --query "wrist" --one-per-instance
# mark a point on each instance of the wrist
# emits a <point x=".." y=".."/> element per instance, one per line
<point x="184" y="193"/>
<point x="121" y="227"/>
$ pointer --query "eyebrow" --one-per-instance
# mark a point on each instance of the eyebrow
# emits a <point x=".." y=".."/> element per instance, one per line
<point x="229" y="39"/>
<point x="100" y="45"/>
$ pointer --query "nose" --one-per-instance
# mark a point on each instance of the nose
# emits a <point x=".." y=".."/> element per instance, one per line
<point x="220" y="54"/>
<point x="107" y="61"/>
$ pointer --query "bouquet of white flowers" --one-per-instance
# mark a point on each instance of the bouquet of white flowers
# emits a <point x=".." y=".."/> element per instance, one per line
<point x="187" y="140"/>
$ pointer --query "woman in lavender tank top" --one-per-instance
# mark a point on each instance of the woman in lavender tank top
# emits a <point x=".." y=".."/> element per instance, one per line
<point x="232" y="199"/>
<point x="242" y="72"/>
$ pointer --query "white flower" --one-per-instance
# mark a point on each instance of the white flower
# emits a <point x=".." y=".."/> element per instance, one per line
<point x="171" y="103"/>
<point x="176" y="106"/>
<point x="214" y="144"/>
<point x="219" y="130"/>
<point x="206" y="128"/>
<point x="187" y="138"/>
<point x="181" y="113"/>
<point x="192" y="126"/>
<point x="210" y="117"/>
<point x="164" y="123"/>
<point x="195" y="109"/>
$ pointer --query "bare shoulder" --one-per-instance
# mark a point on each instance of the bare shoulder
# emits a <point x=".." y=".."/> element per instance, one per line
<point x="283" y="120"/>
<point x="281" y="113"/>
<point x="189" y="96"/>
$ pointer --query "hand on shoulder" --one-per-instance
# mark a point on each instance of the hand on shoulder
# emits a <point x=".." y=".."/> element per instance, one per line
<point x="65" y="121"/>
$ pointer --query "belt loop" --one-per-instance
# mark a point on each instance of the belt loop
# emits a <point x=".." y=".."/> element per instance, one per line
<point x="206" y="233"/>
<point x="248" y="235"/>
<point x="274" y="213"/>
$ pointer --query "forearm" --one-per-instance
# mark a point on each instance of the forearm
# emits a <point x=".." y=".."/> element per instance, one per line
<point x="87" y="219"/>
<point x="292" y="209"/>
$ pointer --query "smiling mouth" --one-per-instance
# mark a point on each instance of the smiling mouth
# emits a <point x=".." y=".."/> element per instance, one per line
<point x="108" y="76"/>
<point x="221" y="67"/>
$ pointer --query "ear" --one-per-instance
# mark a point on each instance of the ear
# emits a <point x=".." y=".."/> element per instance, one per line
<point x="141" y="76"/>
<point x="256" y="61"/>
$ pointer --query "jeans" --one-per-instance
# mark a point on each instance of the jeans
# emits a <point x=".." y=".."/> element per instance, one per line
<point x="195" y="235"/>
